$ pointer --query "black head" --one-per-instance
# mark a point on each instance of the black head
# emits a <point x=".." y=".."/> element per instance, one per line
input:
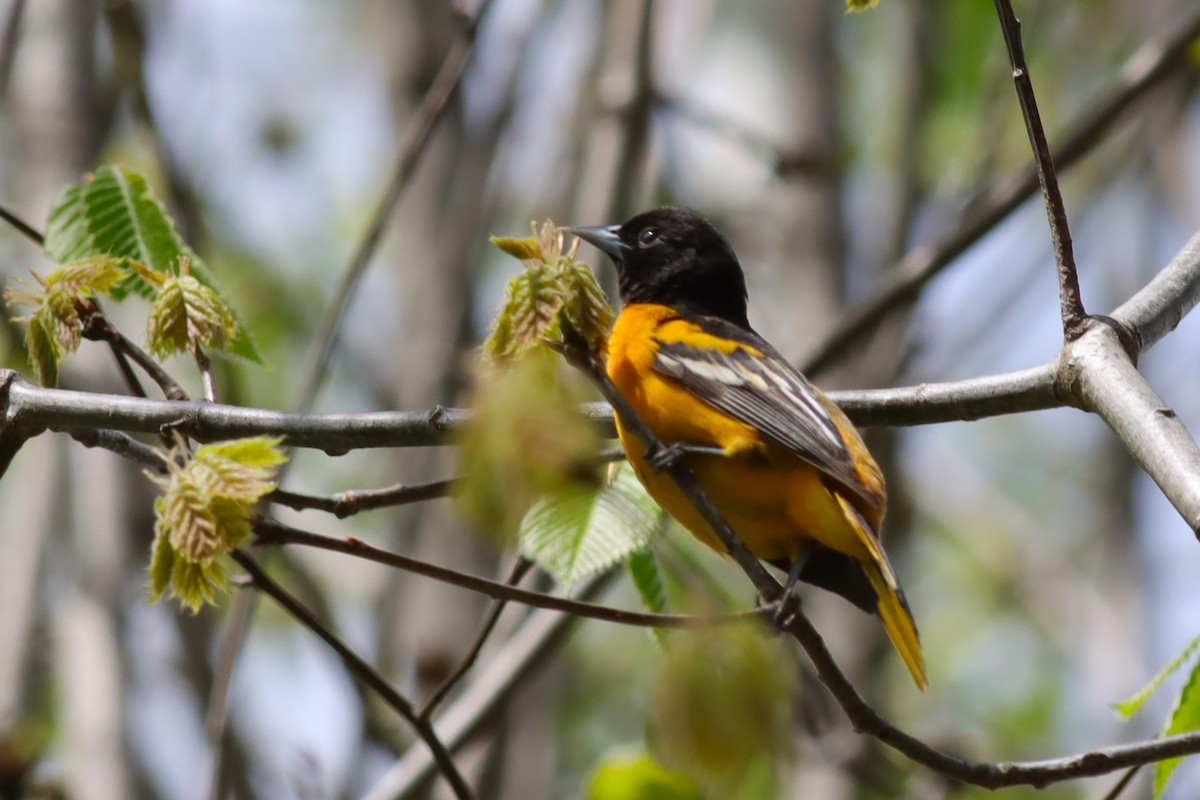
<point x="676" y="258"/>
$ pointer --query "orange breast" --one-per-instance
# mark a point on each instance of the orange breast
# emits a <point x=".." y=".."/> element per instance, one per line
<point x="773" y="500"/>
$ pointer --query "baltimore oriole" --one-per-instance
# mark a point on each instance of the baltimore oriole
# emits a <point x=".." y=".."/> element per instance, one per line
<point x="782" y="463"/>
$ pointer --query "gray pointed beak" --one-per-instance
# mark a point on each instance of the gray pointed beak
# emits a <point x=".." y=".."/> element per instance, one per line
<point x="605" y="237"/>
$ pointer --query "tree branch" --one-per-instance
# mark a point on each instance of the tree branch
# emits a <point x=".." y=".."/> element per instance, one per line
<point x="411" y="149"/>
<point x="1069" y="297"/>
<point x="361" y="670"/>
<point x="270" y="532"/>
<point x="1142" y="71"/>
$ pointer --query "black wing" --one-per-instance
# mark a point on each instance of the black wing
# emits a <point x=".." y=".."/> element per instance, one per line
<point x="766" y="392"/>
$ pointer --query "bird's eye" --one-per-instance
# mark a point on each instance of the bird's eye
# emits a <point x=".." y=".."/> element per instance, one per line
<point x="648" y="237"/>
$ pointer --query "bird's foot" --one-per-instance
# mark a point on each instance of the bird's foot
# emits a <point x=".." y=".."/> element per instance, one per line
<point x="660" y="456"/>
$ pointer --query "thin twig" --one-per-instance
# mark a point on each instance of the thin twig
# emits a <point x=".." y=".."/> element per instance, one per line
<point x="1120" y="786"/>
<point x="8" y="42"/>
<point x="97" y="328"/>
<point x="240" y="615"/>
<point x="206" y="374"/>
<point x="1069" y="297"/>
<point x="636" y="135"/>
<point x="24" y="228"/>
<point x="519" y="569"/>
<point x="270" y="532"/>
<point x="361" y="671"/>
<point x="1144" y="70"/>
<point x="348" y="503"/>
<point x="427" y="115"/>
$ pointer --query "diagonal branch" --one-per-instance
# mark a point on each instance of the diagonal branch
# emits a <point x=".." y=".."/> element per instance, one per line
<point x="361" y="670"/>
<point x="411" y="149"/>
<point x="269" y="532"/>
<point x="1069" y="298"/>
<point x="1144" y="70"/>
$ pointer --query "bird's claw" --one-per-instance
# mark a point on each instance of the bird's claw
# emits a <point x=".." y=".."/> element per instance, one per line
<point x="661" y="456"/>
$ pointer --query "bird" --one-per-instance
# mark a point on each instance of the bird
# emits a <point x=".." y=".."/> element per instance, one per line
<point x="778" y="459"/>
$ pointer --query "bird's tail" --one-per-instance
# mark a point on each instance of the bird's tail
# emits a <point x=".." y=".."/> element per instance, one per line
<point x="898" y="622"/>
<point x="892" y="608"/>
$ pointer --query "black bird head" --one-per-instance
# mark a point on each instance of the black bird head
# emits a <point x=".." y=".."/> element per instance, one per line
<point x="674" y="257"/>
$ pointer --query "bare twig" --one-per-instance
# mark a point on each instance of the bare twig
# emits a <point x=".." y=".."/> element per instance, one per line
<point x="519" y="569"/>
<point x="242" y="611"/>
<point x="97" y="328"/>
<point x="345" y="504"/>
<point x="1069" y="298"/>
<point x="270" y="532"/>
<point x="1144" y="70"/>
<point x="206" y="374"/>
<point x="427" y="115"/>
<point x="1120" y="786"/>
<point x="8" y="42"/>
<point x="24" y="228"/>
<point x="631" y="162"/>
<point x="361" y="670"/>
<point x="532" y="643"/>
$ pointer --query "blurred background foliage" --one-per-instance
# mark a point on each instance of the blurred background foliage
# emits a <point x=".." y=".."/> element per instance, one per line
<point x="1048" y="576"/>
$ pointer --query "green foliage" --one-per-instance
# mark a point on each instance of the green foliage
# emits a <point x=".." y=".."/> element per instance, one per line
<point x="204" y="512"/>
<point x="1131" y="706"/>
<point x="552" y="283"/>
<point x="638" y="777"/>
<point x="721" y="703"/>
<point x="54" y="327"/>
<point x="1184" y="716"/>
<point x="854" y="6"/>
<point x="527" y="439"/>
<point x="643" y="569"/>
<point x="185" y="314"/>
<point x="587" y="529"/>
<point x="114" y="214"/>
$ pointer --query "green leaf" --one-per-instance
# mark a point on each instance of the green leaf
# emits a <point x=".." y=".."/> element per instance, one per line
<point x="115" y="213"/>
<point x="586" y="530"/>
<point x="204" y="512"/>
<point x="643" y="569"/>
<point x="43" y="350"/>
<point x="1130" y="707"/>
<point x="187" y="314"/>
<point x="527" y="439"/>
<point x="1185" y="717"/>
<point x="639" y="777"/>
<point x="162" y="563"/>
<point x="721" y="700"/>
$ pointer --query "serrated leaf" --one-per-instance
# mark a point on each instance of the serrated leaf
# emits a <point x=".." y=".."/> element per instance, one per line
<point x="67" y="237"/>
<point x="115" y="213"/>
<point x="586" y="306"/>
<point x="1131" y="706"/>
<point x="643" y="570"/>
<point x="162" y="563"/>
<point x="1185" y="717"/>
<point x="587" y="530"/>
<point x="252" y="451"/>
<point x="529" y="314"/>
<point x="204" y="512"/>
<point x="187" y="314"/>
<point x="43" y="351"/>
